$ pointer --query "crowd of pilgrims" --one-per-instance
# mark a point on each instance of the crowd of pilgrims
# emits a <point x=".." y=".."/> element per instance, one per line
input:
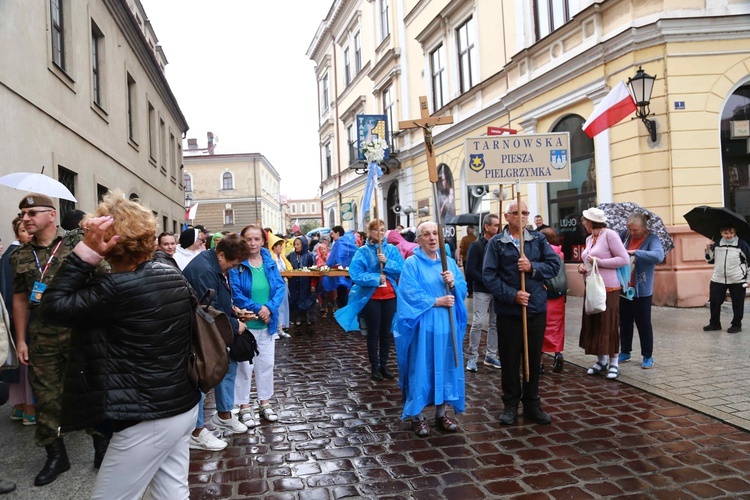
<point x="102" y="320"/>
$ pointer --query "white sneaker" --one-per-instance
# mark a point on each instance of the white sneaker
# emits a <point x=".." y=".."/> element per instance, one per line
<point x="283" y="334"/>
<point x="229" y="426"/>
<point x="206" y="441"/>
<point x="276" y="336"/>
<point x="247" y="417"/>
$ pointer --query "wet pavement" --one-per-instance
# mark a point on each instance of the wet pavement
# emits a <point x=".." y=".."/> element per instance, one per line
<point x="339" y="434"/>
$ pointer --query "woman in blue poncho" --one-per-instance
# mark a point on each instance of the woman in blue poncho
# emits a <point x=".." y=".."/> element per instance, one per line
<point x="427" y="370"/>
<point x="302" y="291"/>
<point x="374" y="295"/>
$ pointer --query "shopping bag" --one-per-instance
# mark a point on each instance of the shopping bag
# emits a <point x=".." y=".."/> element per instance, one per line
<point x="596" y="293"/>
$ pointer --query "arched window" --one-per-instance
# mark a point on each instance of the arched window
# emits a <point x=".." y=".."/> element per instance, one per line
<point x="735" y="151"/>
<point x="331" y="217"/>
<point x="227" y="181"/>
<point x="187" y="181"/>
<point x="567" y="200"/>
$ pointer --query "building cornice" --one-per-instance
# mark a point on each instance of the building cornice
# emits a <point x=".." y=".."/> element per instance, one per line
<point x="390" y="58"/>
<point x="127" y="23"/>
<point x="359" y="102"/>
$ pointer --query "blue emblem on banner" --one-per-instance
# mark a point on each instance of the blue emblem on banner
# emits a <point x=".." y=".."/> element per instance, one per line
<point x="476" y="162"/>
<point x="558" y="158"/>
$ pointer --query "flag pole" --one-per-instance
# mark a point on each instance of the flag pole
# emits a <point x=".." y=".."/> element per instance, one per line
<point x="523" y="287"/>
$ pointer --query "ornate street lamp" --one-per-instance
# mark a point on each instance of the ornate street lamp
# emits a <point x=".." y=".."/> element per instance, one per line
<point x="641" y="86"/>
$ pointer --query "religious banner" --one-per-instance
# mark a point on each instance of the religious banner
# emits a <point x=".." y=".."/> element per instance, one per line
<point x="370" y="128"/>
<point x="518" y="158"/>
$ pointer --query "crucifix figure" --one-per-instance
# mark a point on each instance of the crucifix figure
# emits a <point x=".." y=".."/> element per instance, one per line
<point x="427" y="123"/>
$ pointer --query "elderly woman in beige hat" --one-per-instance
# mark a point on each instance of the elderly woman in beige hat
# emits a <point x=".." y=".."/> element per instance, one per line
<point x="600" y="332"/>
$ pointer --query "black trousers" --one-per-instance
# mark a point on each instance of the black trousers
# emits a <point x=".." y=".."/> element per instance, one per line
<point x="510" y="347"/>
<point x="342" y="296"/>
<point x="637" y="310"/>
<point x="717" y="292"/>
<point x="378" y="315"/>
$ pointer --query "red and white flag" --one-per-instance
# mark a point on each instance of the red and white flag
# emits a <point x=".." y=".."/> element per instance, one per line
<point x="617" y="105"/>
<point x="190" y="214"/>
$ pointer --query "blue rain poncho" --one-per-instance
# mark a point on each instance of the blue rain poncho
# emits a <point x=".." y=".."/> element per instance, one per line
<point x="341" y="254"/>
<point x="427" y="371"/>
<point x="365" y="273"/>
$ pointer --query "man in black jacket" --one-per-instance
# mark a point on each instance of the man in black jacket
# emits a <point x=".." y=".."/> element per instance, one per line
<point x="501" y="274"/>
<point x="483" y="303"/>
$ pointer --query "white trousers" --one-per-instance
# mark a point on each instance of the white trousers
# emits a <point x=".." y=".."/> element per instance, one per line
<point x="262" y="367"/>
<point x="154" y="451"/>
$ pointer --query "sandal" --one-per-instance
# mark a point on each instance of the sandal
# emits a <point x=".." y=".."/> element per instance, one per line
<point x="613" y="372"/>
<point x="246" y="417"/>
<point x="597" y="369"/>
<point x="267" y="413"/>
<point x="446" y="423"/>
<point x="421" y="428"/>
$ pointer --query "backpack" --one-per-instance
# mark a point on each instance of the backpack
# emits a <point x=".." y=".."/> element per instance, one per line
<point x="557" y="286"/>
<point x="212" y="336"/>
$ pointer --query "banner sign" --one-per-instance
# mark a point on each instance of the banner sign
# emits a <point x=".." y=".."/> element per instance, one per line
<point x="370" y="127"/>
<point x="518" y="158"/>
<point x="347" y="212"/>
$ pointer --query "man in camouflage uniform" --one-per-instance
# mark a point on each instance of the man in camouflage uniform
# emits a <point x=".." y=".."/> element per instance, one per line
<point x="34" y="265"/>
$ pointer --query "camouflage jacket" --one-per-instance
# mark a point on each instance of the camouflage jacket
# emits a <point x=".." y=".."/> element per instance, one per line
<point x="26" y="271"/>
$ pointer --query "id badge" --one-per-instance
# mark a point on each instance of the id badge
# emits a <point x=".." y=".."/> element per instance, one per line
<point x="37" y="291"/>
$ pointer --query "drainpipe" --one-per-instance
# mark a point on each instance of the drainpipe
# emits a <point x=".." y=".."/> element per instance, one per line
<point x="338" y="137"/>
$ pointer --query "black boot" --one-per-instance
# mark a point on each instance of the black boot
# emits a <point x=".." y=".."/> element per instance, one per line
<point x="100" y="448"/>
<point x="57" y="463"/>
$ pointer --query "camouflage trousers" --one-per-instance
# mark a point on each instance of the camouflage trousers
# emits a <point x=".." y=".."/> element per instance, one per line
<point x="48" y="357"/>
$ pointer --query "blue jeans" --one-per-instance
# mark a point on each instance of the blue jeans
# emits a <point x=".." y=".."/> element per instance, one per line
<point x="224" y="393"/>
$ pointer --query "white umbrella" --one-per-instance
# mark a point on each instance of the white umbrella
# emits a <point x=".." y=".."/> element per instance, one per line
<point x="37" y="183"/>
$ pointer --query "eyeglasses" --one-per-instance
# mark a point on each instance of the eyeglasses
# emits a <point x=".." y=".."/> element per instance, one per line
<point x="32" y="213"/>
<point x="525" y="213"/>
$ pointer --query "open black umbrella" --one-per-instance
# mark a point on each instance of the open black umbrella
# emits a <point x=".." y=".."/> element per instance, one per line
<point x="617" y="220"/>
<point x="708" y="221"/>
<point x="464" y="220"/>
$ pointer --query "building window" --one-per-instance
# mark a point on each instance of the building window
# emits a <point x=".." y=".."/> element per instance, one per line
<point x="388" y="112"/>
<point x="131" y="108"/>
<point x="466" y="54"/>
<point x="327" y="159"/>
<point x="324" y="93"/>
<point x="97" y="44"/>
<point x="357" y="52"/>
<point x="313" y="208"/>
<point x="151" y="132"/>
<point x="229" y="217"/>
<point x="101" y="192"/>
<point x="437" y="70"/>
<point x="68" y="179"/>
<point x="735" y="150"/>
<point x="385" y="28"/>
<point x="187" y="181"/>
<point x="347" y="67"/>
<point x="549" y="15"/>
<point x="294" y="208"/>
<point x="303" y="208"/>
<point x="227" y="181"/>
<point x="172" y="157"/>
<point x="58" y="33"/>
<point x="163" y="146"/>
<point x="567" y="200"/>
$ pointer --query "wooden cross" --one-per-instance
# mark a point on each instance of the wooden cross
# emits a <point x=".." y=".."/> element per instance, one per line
<point x="426" y="123"/>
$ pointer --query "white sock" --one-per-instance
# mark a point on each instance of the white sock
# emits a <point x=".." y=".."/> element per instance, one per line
<point x="615" y="361"/>
<point x="602" y="360"/>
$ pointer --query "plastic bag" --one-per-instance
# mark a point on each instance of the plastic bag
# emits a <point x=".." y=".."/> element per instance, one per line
<point x="596" y="293"/>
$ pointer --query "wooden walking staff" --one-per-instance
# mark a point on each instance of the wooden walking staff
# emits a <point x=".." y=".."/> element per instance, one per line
<point x="427" y="123"/>
<point x="524" y="320"/>
<point x="377" y="217"/>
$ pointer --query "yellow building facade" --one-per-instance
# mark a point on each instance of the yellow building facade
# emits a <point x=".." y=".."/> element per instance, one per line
<point x="541" y="66"/>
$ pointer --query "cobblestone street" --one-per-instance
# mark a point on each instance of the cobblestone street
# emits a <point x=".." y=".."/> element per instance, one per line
<point x="339" y="435"/>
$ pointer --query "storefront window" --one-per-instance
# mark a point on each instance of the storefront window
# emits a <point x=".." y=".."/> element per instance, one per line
<point x="567" y="200"/>
<point x="735" y="151"/>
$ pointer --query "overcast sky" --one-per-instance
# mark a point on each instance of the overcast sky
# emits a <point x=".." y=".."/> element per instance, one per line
<point x="238" y="69"/>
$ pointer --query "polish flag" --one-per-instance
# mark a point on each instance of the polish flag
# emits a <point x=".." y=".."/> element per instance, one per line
<point x="617" y="105"/>
<point x="190" y="214"/>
